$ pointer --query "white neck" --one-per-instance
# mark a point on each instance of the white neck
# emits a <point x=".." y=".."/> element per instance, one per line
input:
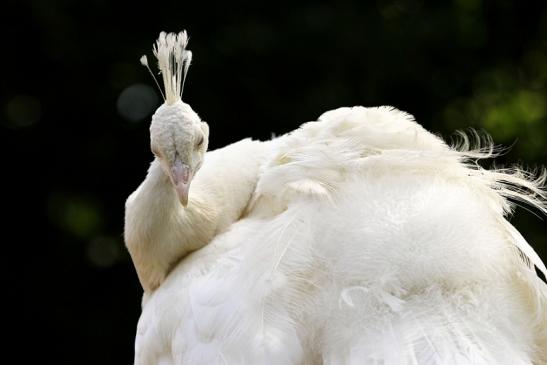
<point x="153" y="215"/>
<point x="159" y="231"/>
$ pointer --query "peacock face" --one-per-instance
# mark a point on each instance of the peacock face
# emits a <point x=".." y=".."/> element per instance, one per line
<point x="179" y="139"/>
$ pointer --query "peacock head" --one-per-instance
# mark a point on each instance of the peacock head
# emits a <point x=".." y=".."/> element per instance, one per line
<point x="178" y="137"/>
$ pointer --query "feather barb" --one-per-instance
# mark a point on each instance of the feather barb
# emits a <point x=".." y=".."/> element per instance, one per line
<point x="173" y="63"/>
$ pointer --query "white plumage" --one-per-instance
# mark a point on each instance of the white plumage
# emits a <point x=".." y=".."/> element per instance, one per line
<point x="360" y="238"/>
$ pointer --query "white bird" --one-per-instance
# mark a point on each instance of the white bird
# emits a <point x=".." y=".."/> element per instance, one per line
<point x="360" y="238"/>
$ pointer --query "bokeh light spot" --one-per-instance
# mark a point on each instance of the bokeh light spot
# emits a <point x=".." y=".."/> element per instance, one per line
<point x="104" y="251"/>
<point x="23" y="111"/>
<point x="137" y="102"/>
<point x="76" y="215"/>
<point x="468" y="5"/>
<point x="392" y="9"/>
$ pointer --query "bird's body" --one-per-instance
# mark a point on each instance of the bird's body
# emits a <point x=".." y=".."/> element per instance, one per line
<point x="357" y="239"/>
<point x="366" y="240"/>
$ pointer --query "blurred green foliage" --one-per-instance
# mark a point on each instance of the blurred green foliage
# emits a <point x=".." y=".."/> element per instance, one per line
<point x="510" y="102"/>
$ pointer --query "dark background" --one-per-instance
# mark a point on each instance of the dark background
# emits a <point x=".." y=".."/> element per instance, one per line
<point x="76" y="106"/>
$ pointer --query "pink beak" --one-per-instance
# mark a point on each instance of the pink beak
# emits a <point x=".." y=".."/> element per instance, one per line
<point x="181" y="175"/>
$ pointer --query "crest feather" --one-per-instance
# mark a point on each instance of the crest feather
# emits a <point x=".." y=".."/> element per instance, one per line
<point x="173" y="62"/>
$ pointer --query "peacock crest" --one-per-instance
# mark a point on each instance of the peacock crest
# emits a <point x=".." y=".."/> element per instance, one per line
<point x="173" y="63"/>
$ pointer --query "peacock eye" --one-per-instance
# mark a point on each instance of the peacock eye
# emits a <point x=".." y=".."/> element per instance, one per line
<point x="200" y="142"/>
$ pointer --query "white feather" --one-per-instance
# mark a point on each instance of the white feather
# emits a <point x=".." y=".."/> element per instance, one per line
<point x="173" y="62"/>
<point x="367" y="240"/>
